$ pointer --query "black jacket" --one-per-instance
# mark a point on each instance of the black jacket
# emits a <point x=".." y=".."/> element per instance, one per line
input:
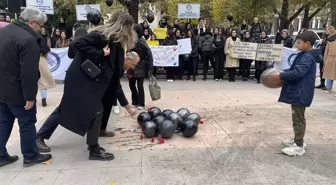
<point x="79" y="88"/>
<point x="206" y="42"/>
<point x="325" y="42"/>
<point x="255" y="31"/>
<point x="287" y="42"/>
<point x="219" y="43"/>
<point x="146" y="59"/>
<point x="194" y="47"/>
<point x="169" y="42"/>
<point x="19" y="63"/>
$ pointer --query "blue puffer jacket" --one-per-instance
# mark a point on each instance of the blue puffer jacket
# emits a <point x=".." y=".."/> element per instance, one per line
<point x="299" y="80"/>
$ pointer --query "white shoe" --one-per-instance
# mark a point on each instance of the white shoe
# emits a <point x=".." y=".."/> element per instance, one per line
<point x="220" y="79"/>
<point x="116" y="110"/>
<point x="328" y="91"/>
<point x="294" y="151"/>
<point x="290" y="143"/>
<point x="171" y="80"/>
<point x="168" y="80"/>
<point x="141" y="108"/>
<point x="216" y="79"/>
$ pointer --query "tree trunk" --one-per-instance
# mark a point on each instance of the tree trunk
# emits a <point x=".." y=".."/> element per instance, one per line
<point x="333" y="12"/>
<point x="305" y="22"/>
<point x="133" y="10"/>
<point x="284" y="15"/>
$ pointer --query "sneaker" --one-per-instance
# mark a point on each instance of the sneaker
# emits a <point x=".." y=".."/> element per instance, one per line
<point x="116" y="110"/>
<point x="328" y="91"/>
<point x="216" y="79"/>
<point x="171" y="80"/>
<point x="220" y="79"/>
<point x="294" y="151"/>
<point x="41" y="146"/>
<point x="290" y="143"/>
<point x="168" y="80"/>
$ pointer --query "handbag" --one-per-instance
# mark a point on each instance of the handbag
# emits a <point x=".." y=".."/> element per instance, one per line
<point x="154" y="88"/>
<point x="90" y="69"/>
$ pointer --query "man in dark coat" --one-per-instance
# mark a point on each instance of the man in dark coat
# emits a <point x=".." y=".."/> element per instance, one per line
<point x="19" y="73"/>
<point x="256" y="29"/>
<point x="206" y="46"/>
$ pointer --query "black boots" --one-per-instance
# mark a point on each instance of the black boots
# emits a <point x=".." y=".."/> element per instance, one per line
<point x="99" y="153"/>
<point x="9" y="160"/>
<point x="44" y="102"/>
<point x="40" y="158"/>
<point x="42" y="147"/>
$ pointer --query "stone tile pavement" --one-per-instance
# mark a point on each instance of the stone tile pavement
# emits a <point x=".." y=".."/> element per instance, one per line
<point x="239" y="143"/>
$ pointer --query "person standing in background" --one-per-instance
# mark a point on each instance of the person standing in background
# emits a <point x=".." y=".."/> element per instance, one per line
<point x="46" y="80"/>
<point x="19" y="75"/>
<point x="63" y="27"/>
<point x="146" y="34"/>
<point x="244" y="28"/>
<point x="56" y="36"/>
<point x="329" y="68"/>
<point x="285" y="40"/>
<point x="261" y="66"/>
<point x="180" y="69"/>
<point x="256" y="29"/>
<point x="176" y="25"/>
<point x="219" y="59"/>
<point x="170" y="40"/>
<point x="246" y="63"/>
<point x="137" y="75"/>
<point x="63" y="41"/>
<point x="145" y="25"/>
<point x="201" y="27"/>
<point x="193" y="56"/>
<point x="231" y="63"/>
<point x="330" y="33"/>
<point x="206" y="46"/>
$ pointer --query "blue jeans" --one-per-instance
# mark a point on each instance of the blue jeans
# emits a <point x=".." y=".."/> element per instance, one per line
<point x="50" y="125"/>
<point x="27" y="120"/>
<point x="330" y="84"/>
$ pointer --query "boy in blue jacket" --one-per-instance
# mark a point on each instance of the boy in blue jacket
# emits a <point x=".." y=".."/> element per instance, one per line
<point x="298" y="90"/>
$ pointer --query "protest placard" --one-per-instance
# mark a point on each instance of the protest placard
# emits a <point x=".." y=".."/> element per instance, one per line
<point x="160" y="33"/>
<point x="165" y="56"/>
<point x="269" y="52"/>
<point x="185" y="46"/>
<point x="153" y="42"/>
<point x="244" y="50"/>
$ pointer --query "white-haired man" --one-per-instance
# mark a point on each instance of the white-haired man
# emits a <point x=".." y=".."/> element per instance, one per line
<point x="19" y="74"/>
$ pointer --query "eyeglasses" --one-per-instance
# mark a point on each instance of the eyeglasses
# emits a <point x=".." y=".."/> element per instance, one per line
<point x="38" y="24"/>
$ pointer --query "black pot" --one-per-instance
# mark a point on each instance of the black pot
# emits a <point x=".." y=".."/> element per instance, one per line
<point x="143" y="117"/>
<point x="189" y="128"/>
<point x="184" y="113"/>
<point x="195" y="117"/>
<point x="150" y="129"/>
<point x="167" y="129"/>
<point x="154" y="111"/>
<point x="176" y="119"/>
<point x="159" y="119"/>
<point x="166" y="113"/>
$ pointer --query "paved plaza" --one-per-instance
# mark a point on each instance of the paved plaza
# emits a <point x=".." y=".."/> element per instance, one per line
<point x="239" y="143"/>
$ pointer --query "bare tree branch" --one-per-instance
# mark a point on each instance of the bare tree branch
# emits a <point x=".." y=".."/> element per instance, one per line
<point x="316" y="11"/>
<point x="297" y="13"/>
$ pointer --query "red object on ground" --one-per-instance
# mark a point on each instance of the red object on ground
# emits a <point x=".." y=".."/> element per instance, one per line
<point x="201" y="122"/>
<point x="148" y="109"/>
<point x="161" y="141"/>
<point x="153" y="140"/>
<point x="141" y="137"/>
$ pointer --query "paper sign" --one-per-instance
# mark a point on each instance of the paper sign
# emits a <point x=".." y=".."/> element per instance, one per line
<point x="244" y="50"/>
<point x="189" y="11"/>
<point x="185" y="46"/>
<point x="288" y="56"/>
<point x="165" y="56"/>
<point x="153" y="42"/>
<point x="161" y="33"/>
<point x="46" y="6"/>
<point x="269" y="52"/>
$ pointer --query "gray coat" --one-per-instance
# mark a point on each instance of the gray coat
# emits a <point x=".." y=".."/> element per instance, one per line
<point x="205" y="42"/>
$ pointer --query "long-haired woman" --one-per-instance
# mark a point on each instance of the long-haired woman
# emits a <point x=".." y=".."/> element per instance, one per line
<point x="87" y="101"/>
<point x="329" y="68"/>
<point x="169" y="41"/>
<point x="63" y="41"/>
<point x="231" y="63"/>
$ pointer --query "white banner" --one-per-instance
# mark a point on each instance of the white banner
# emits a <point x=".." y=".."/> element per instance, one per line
<point x="269" y="52"/>
<point x="165" y="56"/>
<point x="82" y="10"/>
<point x="189" y="11"/>
<point x="288" y="56"/>
<point x="46" y="6"/>
<point x="185" y="46"/>
<point x="59" y="62"/>
<point x="244" y="50"/>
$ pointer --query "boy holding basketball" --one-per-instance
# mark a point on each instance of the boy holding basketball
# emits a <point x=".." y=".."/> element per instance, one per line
<point x="298" y="90"/>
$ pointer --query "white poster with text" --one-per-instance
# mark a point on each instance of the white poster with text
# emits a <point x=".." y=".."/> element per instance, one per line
<point x="46" y="6"/>
<point x="165" y="56"/>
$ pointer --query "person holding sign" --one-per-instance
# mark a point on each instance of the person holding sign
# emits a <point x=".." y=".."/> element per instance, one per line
<point x="298" y="90"/>
<point x="261" y="66"/>
<point x="246" y="63"/>
<point x="231" y="63"/>
<point x="193" y="57"/>
<point x="170" y="41"/>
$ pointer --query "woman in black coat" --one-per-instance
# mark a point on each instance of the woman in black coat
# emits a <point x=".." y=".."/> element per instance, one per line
<point x="261" y="66"/>
<point x="180" y="69"/>
<point x="86" y="100"/>
<point x="246" y="63"/>
<point x="219" y="57"/>
<point x="193" y="57"/>
<point x="137" y="75"/>
<point x="170" y="41"/>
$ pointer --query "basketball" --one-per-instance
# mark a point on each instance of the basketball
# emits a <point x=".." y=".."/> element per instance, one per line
<point x="271" y="83"/>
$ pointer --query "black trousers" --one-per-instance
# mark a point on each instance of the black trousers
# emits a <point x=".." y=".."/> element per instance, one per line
<point x="219" y="61"/>
<point x="245" y="68"/>
<point x="232" y="73"/>
<point x="50" y="125"/>
<point x="207" y="56"/>
<point x="181" y="69"/>
<point x="192" y="66"/>
<point x="138" y="92"/>
<point x="170" y="73"/>
<point x="321" y="74"/>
